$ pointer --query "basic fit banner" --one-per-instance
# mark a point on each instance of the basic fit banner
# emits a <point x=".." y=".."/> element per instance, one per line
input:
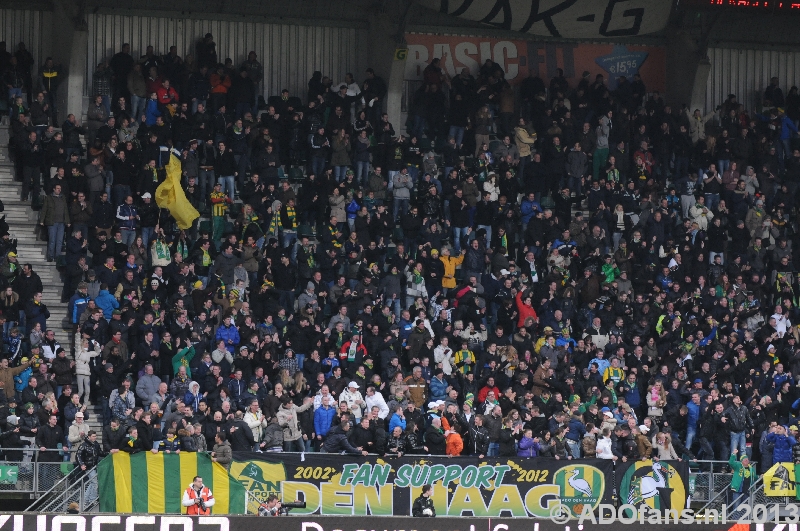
<point x="341" y="485"/>
<point x="521" y="58"/>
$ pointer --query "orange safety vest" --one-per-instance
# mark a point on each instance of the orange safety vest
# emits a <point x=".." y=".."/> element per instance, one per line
<point x="195" y="509"/>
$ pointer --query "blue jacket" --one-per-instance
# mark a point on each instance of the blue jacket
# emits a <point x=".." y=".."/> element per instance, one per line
<point x="602" y="364"/>
<point x="226" y="333"/>
<point x="21" y="380"/>
<point x="328" y="365"/>
<point x="396" y="421"/>
<point x="528" y="209"/>
<point x="576" y="430"/>
<point x="438" y="389"/>
<point x="783" y="447"/>
<point x="352" y="209"/>
<point x="323" y="419"/>
<point x="528" y="448"/>
<point x="787" y="126"/>
<point x="126" y="214"/>
<point x="106" y="302"/>
<point x="237" y="389"/>
<point x="77" y="303"/>
<point x="694" y="414"/>
<point x="632" y="395"/>
<point x="193" y="400"/>
<point x="151" y="112"/>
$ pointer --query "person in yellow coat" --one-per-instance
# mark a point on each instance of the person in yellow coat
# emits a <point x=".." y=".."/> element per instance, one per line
<point x="450" y="264"/>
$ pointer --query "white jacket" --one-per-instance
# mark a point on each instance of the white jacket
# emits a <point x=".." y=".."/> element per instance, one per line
<point x="257" y="421"/>
<point x="377" y="400"/>
<point x="701" y="215"/>
<point x="352" y="400"/>
<point x="604" y="448"/>
<point x="445" y="357"/>
<point x="77" y="432"/>
<point x="84" y="358"/>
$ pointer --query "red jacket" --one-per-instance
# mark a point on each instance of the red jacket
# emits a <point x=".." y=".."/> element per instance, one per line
<point x="166" y="96"/>
<point x="525" y="311"/>
<point x="485" y="391"/>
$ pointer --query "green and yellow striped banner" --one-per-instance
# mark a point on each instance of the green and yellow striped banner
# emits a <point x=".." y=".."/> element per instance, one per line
<point x="155" y="483"/>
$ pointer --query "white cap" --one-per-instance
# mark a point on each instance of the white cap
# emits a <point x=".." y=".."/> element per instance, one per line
<point x="146" y="195"/>
<point x="608" y="414"/>
<point x="643" y="428"/>
<point x="352" y="384"/>
<point x="504" y="272"/>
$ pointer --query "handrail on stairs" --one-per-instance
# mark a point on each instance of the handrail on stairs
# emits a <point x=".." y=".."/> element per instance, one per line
<point x="57" y="487"/>
<point x="65" y="490"/>
<point x="720" y="498"/>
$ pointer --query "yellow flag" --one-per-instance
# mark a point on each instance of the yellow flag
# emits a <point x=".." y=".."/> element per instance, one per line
<point x="170" y="195"/>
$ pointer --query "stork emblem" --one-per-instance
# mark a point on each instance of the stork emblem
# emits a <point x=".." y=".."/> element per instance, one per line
<point x="581" y="486"/>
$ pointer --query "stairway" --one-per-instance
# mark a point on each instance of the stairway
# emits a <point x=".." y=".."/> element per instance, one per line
<point x="22" y="221"/>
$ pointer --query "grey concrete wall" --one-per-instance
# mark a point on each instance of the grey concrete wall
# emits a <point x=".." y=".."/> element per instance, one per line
<point x="70" y="51"/>
<point x="687" y="71"/>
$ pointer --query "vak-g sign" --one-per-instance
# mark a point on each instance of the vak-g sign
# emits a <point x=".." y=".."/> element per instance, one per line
<point x="574" y="19"/>
<point x="520" y="58"/>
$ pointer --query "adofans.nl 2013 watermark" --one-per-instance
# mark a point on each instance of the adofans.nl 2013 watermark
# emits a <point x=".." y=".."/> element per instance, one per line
<point x="630" y="514"/>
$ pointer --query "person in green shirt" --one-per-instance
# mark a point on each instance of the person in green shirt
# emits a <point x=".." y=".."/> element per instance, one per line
<point x="610" y="270"/>
<point x="743" y="476"/>
<point x="182" y="359"/>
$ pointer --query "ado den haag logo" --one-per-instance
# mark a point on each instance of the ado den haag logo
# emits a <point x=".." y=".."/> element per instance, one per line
<point x="259" y="477"/>
<point x="656" y="484"/>
<point x="580" y="485"/>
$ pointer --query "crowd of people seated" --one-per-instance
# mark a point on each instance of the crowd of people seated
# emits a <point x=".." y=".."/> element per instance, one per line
<point x="562" y="270"/>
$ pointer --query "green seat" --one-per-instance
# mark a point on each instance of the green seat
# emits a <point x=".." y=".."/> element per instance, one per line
<point x="281" y="174"/>
<point x="205" y="226"/>
<point x="296" y="174"/>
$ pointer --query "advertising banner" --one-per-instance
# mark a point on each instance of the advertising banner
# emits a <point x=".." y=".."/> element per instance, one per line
<point x="340" y="485"/>
<point x="116" y="522"/>
<point x="520" y="58"/>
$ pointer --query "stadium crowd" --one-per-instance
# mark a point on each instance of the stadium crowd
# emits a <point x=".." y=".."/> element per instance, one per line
<point x="566" y="270"/>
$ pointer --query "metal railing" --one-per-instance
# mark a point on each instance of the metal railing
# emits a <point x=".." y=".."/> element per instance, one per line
<point x="73" y="488"/>
<point x="755" y="495"/>
<point x="709" y="479"/>
<point x="31" y="470"/>
<point x="251" y="503"/>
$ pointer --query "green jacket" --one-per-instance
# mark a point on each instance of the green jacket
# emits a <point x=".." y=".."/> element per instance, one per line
<point x="46" y="216"/>
<point x="739" y="473"/>
<point x="183" y="357"/>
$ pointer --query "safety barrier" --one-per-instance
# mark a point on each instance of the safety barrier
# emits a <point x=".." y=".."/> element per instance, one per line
<point x="31" y="470"/>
